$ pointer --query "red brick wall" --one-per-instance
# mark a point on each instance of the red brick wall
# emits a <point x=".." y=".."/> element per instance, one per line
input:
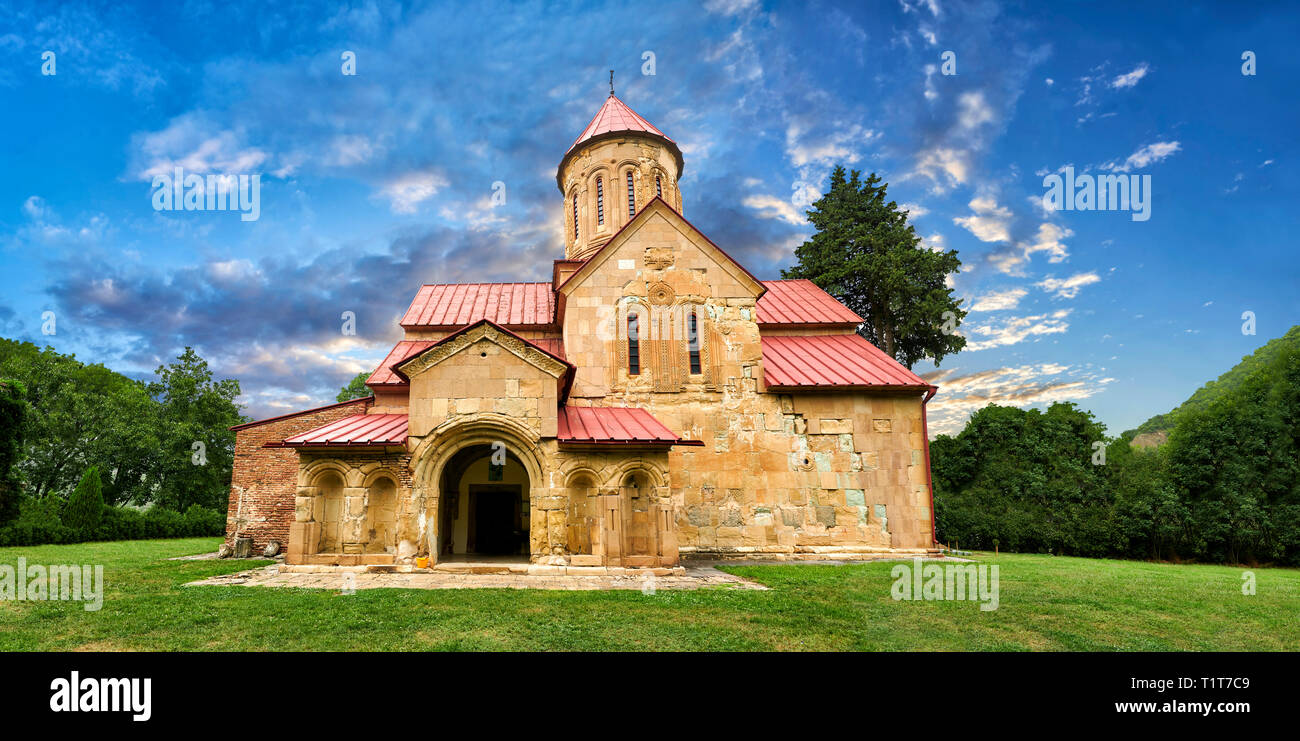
<point x="268" y="477"/>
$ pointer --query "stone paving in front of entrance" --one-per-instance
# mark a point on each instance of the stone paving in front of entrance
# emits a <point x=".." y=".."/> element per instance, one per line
<point x="695" y="577"/>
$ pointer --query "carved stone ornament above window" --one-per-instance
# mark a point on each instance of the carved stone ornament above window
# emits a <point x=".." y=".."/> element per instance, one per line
<point x="662" y="294"/>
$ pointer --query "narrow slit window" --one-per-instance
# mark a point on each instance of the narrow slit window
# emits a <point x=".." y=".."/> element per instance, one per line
<point x="693" y="342"/>
<point x="633" y="347"/>
<point x="575" y="217"/>
<point x="600" y="201"/>
<point x="659" y="187"/>
<point x="631" y="196"/>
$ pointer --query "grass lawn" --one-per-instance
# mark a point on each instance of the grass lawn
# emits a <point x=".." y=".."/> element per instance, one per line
<point x="1047" y="603"/>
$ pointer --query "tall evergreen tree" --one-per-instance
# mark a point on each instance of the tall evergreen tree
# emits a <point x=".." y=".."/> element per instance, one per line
<point x="85" y="508"/>
<point x="865" y="254"/>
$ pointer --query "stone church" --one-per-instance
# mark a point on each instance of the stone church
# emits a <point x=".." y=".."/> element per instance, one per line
<point x="653" y="400"/>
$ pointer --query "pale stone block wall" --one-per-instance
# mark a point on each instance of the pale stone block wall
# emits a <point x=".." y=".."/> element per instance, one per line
<point x="485" y="377"/>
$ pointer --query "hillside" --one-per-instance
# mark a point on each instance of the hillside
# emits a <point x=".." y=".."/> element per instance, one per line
<point x="1155" y="431"/>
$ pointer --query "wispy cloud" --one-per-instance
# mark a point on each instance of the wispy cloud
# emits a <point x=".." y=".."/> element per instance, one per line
<point x="1130" y="79"/>
<point x="989" y="223"/>
<point x="1068" y="287"/>
<point x="1144" y="156"/>
<point x="1015" y="330"/>
<point x="961" y="394"/>
<point x="999" y="300"/>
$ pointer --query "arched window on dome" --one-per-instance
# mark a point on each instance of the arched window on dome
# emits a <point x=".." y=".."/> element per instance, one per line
<point x="633" y="345"/>
<point x="631" y="197"/>
<point x="659" y="187"/>
<point x="575" y="217"/>
<point x="600" y="201"/>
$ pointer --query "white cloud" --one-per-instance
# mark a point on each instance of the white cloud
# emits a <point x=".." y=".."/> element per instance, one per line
<point x="913" y="6"/>
<point x="406" y="192"/>
<point x="1068" y="287"/>
<point x="1018" y="386"/>
<point x="1048" y="239"/>
<point x="199" y="147"/>
<point x="35" y="208"/>
<point x="350" y="150"/>
<point x="935" y="243"/>
<point x="914" y="210"/>
<point x="828" y="148"/>
<point x="729" y="7"/>
<point x="1015" y="330"/>
<point x="1129" y="79"/>
<point x="944" y="165"/>
<point x="771" y="207"/>
<point x="999" y="300"/>
<point x="973" y="110"/>
<point x="1144" y="156"/>
<point x="990" y="223"/>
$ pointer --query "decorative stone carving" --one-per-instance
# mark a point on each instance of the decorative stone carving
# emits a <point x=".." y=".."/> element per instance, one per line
<point x="659" y="258"/>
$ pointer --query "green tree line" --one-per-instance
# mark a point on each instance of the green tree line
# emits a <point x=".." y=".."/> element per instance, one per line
<point x="1224" y="488"/>
<point x="163" y="444"/>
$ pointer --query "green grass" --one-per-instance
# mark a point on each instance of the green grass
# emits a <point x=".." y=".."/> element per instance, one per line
<point x="1046" y="603"/>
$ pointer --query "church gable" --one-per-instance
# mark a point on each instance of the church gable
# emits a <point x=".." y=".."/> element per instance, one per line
<point x="484" y="369"/>
<point x="660" y="239"/>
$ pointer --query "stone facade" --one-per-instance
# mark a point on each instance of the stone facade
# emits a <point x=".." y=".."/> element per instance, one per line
<point x="264" y="480"/>
<point x="649" y="314"/>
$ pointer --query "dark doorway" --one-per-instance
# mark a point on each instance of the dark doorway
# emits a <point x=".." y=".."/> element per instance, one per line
<point x="494" y="526"/>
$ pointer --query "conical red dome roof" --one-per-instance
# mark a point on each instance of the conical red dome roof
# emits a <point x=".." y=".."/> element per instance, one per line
<point x="614" y="118"/>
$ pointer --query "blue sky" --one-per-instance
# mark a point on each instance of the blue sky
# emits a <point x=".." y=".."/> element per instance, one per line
<point x="376" y="182"/>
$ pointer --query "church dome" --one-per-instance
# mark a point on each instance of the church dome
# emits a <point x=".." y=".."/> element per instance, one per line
<point x="614" y="119"/>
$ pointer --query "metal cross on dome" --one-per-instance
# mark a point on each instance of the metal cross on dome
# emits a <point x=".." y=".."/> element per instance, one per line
<point x="611" y="82"/>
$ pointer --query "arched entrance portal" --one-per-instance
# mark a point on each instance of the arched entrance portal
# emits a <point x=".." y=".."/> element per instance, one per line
<point x="483" y="507"/>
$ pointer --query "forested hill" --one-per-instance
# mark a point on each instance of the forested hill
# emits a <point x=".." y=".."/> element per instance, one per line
<point x="1156" y="430"/>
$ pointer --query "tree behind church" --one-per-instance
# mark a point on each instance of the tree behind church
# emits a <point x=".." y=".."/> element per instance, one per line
<point x="865" y="254"/>
<point x="356" y="388"/>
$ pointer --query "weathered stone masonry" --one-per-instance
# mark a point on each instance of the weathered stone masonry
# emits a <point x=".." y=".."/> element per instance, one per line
<point x="265" y="480"/>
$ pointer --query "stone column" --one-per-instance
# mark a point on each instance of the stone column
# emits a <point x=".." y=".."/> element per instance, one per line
<point x="304" y="531"/>
<point x="353" y="534"/>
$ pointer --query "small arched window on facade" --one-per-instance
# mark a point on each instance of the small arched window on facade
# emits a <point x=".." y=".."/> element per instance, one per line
<point x="631" y="197"/>
<point x="600" y="201"/>
<point x="633" y="346"/>
<point x="575" y="217"/>
<point x="659" y="187"/>
<point x="693" y="341"/>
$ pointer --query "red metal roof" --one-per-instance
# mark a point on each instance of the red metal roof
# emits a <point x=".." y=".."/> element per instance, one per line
<point x="367" y="400"/>
<point x="459" y="304"/>
<point x="359" y="429"/>
<point x="801" y="302"/>
<point x="386" y="375"/>
<point x="615" y="117"/>
<point x="795" y="362"/>
<point x="619" y="425"/>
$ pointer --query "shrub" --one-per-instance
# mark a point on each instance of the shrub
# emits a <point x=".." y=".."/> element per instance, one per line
<point x="85" y="508"/>
<point x="116" y="523"/>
